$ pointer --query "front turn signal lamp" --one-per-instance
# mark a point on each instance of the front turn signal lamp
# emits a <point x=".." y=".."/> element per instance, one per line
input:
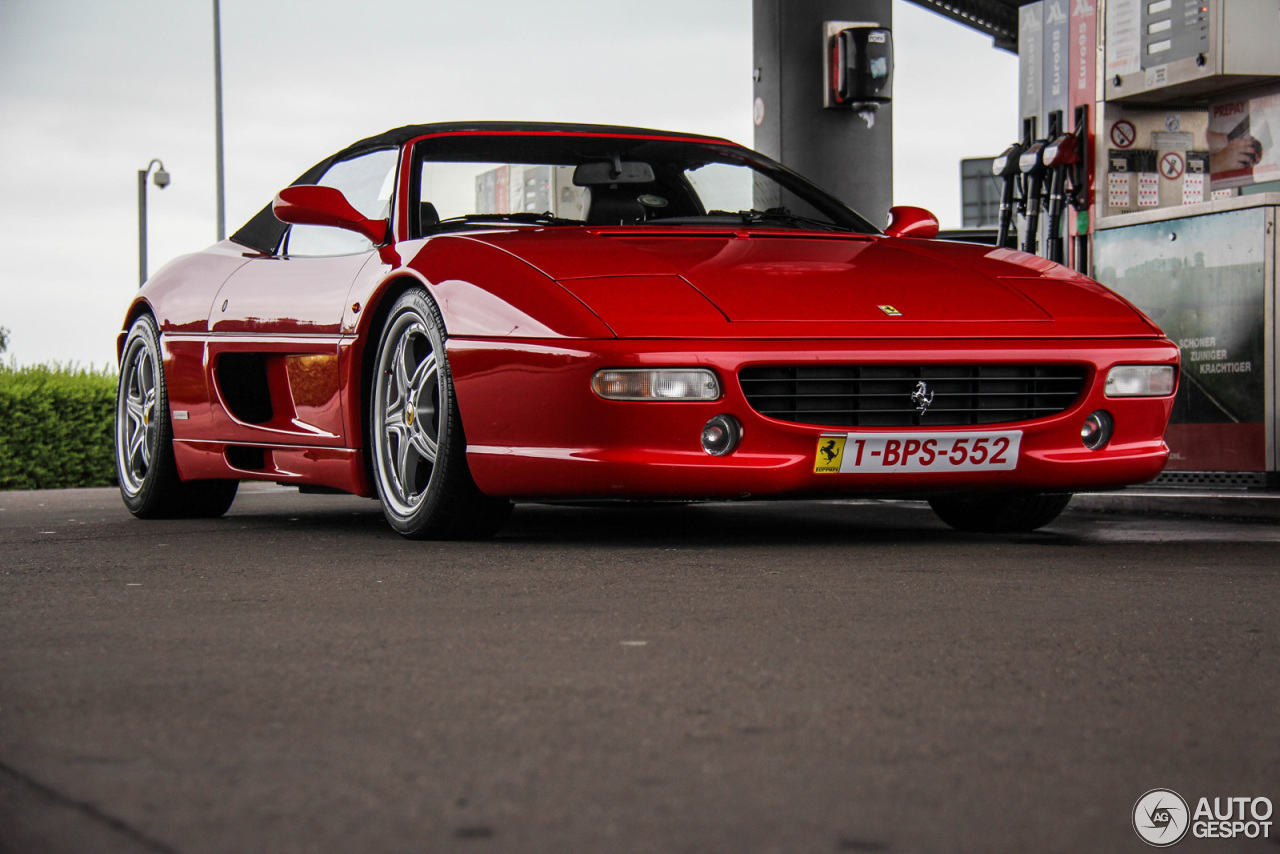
<point x="656" y="384"/>
<point x="1140" y="381"/>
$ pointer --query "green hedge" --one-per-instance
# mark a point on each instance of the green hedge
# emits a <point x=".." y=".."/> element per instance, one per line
<point x="56" y="427"/>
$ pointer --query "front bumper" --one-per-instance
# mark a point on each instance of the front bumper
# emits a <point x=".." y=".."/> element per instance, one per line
<point x="535" y="429"/>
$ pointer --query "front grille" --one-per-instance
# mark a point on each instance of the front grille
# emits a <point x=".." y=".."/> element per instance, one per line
<point x="882" y="395"/>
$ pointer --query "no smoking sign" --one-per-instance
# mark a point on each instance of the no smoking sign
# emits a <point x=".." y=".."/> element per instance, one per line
<point x="1123" y="133"/>
<point x="1171" y="165"/>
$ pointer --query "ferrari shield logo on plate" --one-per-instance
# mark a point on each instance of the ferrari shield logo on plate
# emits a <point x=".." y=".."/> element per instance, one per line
<point x="830" y="449"/>
<point x="917" y="452"/>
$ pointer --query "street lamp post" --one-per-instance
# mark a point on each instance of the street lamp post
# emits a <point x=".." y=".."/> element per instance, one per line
<point x="217" y="122"/>
<point x="162" y="180"/>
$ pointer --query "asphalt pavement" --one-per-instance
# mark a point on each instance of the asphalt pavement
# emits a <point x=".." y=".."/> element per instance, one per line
<point x="767" y="677"/>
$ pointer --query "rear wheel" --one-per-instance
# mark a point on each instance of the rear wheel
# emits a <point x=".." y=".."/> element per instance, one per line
<point x="419" y="451"/>
<point x="1000" y="513"/>
<point x="149" y="482"/>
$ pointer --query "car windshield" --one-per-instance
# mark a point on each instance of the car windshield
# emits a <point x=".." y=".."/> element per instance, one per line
<point x="477" y="180"/>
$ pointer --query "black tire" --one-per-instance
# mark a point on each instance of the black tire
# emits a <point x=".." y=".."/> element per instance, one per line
<point x="1001" y="512"/>
<point x="148" y="475"/>
<point x="415" y="438"/>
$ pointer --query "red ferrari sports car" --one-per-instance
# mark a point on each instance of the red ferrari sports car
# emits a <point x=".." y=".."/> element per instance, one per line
<point x="452" y="317"/>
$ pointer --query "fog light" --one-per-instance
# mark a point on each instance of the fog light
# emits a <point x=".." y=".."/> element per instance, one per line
<point x="1096" y="430"/>
<point x="656" y="384"/>
<point x="721" y="435"/>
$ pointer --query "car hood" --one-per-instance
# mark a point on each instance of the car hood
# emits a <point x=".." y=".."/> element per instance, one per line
<point x="644" y="282"/>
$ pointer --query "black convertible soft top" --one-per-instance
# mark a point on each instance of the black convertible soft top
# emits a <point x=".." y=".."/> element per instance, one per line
<point x="264" y="232"/>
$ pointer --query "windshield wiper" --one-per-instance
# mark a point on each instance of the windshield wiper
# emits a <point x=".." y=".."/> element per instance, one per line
<point x="781" y="215"/>
<point x="522" y="218"/>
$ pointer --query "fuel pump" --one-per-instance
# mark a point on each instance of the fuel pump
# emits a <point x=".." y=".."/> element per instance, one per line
<point x="1005" y="167"/>
<point x="1082" y="189"/>
<point x="1060" y="158"/>
<point x="1031" y="162"/>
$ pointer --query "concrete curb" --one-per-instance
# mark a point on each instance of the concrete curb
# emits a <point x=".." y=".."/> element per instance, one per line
<point x="1215" y="504"/>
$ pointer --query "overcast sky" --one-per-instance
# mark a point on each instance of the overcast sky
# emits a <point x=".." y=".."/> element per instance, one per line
<point x="90" y="91"/>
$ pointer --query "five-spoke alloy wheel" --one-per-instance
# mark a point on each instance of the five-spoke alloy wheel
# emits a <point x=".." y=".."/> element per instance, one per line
<point x="419" y="452"/>
<point x="137" y="428"/>
<point x="149" y="481"/>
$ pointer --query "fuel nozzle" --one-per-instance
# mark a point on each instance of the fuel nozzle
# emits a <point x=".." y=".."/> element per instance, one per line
<point x="1063" y="151"/>
<point x="1005" y="167"/>
<point x="1031" y="163"/>
<point x="1060" y="156"/>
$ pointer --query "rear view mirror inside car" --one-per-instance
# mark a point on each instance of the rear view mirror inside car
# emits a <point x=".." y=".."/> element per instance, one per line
<point x="616" y="172"/>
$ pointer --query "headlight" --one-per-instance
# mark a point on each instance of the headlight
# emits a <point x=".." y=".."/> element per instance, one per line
<point x="656" y="384"/>
<point x="1140" y="381"/>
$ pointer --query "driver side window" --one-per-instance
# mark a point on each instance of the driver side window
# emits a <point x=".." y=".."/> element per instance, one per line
<point x="368" y="182"/>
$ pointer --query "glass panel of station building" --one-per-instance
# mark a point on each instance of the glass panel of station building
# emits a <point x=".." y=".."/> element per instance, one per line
<point x="979" y="193"/>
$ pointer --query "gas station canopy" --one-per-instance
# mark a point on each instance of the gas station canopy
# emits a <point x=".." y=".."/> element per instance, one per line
<point x="996" y="18"/>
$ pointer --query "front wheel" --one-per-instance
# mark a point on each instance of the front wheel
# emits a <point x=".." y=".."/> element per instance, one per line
<point x="149" y="482"/>
<point x="419" y="451"/>
<point x="1000" y="513"/>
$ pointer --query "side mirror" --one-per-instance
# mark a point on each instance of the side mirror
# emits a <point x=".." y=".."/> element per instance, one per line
<point x="308" y="204"/>
<point x="906" y="221"/>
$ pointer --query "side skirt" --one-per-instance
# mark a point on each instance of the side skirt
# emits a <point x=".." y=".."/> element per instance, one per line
<point x="337" y="468"/>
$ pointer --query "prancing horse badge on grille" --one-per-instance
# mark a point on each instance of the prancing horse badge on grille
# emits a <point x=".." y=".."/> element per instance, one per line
<point x="922" y="397"/>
